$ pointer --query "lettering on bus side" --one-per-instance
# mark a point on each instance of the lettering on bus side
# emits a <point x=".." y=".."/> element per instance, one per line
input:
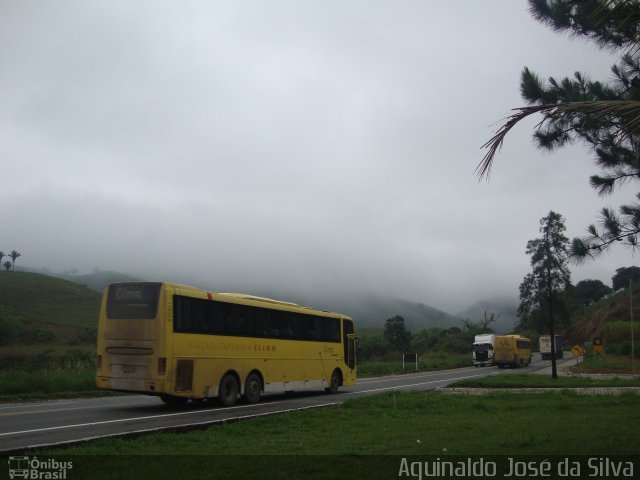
<point x="205" y="345"/>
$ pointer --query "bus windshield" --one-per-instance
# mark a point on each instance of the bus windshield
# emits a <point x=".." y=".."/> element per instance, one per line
<point x="133" y="300"/>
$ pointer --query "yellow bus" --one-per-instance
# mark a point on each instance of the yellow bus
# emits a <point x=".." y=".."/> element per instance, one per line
<point x="181" y="343"/>
<point x="512" y="350"/>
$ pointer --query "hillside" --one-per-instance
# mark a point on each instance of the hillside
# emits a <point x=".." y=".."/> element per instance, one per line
<point x="46" y="309"/>
<point x="590" y="321"/>
<point x="98" y="280"/>
<point x="367" y="310"/>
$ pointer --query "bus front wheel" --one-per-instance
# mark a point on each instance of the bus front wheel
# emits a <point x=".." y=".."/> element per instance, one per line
<point x="335" y="382"/>
<point x="228" y="390"/>
<point x="252" y="388"/>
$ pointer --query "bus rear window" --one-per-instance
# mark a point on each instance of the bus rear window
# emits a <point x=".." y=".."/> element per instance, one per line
<point x="133" y="300"/>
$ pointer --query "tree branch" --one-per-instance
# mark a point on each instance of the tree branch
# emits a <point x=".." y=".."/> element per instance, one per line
<point x="627" y="110"/>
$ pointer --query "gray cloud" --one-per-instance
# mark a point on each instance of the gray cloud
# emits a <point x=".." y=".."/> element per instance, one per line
<point x="288" y="146"/>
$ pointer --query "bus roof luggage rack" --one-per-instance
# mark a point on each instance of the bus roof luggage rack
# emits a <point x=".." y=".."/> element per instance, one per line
<point x="260" y="299"/>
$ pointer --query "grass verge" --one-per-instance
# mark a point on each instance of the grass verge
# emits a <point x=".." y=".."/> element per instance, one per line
<point x="412" y="424"/>
<point x="519" y="380"/>
<point x="436" y="361"/>
<point x="46" y="373"/>
<point x="606" y="364"/>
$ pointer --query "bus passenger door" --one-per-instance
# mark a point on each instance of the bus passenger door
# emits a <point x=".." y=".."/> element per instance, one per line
<point x="349" y="341"/>
<point x="351" y="351"/>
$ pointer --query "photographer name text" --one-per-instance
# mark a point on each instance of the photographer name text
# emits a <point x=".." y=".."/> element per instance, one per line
<point x="597" y="467"/>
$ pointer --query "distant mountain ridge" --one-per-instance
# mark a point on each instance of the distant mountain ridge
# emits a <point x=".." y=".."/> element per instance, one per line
<point x="375" y="310"/>
<point x="96" y="280"/>
<point x="504" y="308"/>
<point x="370" y="310"/>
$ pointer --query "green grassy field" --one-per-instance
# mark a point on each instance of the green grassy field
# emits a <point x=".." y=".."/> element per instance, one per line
<point x="414" y="424"/>
<point x="393" y="424"/>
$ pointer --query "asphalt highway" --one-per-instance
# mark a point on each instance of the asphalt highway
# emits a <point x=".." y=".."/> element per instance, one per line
<point x="63" y="422"/>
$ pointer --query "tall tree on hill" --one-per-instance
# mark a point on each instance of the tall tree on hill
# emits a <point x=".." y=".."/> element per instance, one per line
<point x="541" y="290"/>
<point x="396" y="334"/>
<point x="605" y="116"/>
<point x="2" y="254"/>
<point x="624" y="275"/>
<point x="13" y="255"/>
<point x="590" y="291"/>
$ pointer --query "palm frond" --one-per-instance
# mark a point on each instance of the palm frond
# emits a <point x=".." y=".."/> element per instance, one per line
<point x="628" y="111"/>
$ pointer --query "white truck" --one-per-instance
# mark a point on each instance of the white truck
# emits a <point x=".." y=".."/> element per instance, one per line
<point x="483" y="350"/>
<point x="545" y="347"/>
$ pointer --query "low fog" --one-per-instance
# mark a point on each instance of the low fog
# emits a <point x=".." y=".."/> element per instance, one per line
<point x="287" y="147"/>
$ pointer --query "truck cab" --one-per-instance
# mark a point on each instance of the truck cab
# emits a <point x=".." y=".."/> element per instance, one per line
<point x="483" y="350"/>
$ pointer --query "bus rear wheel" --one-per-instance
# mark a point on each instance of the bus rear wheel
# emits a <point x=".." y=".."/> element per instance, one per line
<point x="252" y="388"/>
<point x="228" y="390"/>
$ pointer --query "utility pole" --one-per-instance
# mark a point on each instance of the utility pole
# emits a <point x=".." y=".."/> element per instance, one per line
<point x="552" y="332"/>
<point x="633" y="354"/>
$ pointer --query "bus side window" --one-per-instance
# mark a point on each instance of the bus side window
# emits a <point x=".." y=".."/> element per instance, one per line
<point x="198" y="316"/>
<point x="227" y="326"/>
<point x="260" y="322"/>
<point x="274" y="324"/>
<point x="249" y="325"/>
<point x="288" y="325"/>
<point x="182" y="315"/>
<point x="215" y="317"/>
<point x="335" y="329"/>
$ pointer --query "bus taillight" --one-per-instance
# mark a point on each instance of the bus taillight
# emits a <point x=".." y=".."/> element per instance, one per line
<point x="98" y="362"/>
<point x="162" y="366"/>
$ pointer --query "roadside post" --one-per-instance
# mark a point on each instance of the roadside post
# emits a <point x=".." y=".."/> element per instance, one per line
<point x="597" y="348"/>
<point x="409" y="357"/>
<point x="597" y="345"/>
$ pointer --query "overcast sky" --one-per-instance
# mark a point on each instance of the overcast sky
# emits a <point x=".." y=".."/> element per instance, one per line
<point x="289" y="146"/>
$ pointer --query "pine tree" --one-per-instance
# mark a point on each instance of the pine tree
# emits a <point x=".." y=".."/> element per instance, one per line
<point x="605" y="116"/>
<point x="541" y="292"/>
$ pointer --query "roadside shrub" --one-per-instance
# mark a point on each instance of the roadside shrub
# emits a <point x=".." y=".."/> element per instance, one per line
<point x="618" y="331"/>
<point x="36" y="335"/>
<point x="86" y="336"/>
<point x="48" y="361"/>
<point x="623" y="348"/>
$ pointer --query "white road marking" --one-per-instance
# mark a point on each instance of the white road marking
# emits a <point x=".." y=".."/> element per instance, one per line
<point x="29" y="405"/>
<point x="405" y="375"/>
<point x="133" y="419"/>
<point x="397" y="387"/>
